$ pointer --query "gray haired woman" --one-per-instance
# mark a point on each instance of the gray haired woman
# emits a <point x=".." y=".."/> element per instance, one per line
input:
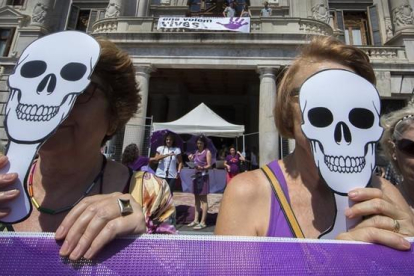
<point x="398" y="146"/>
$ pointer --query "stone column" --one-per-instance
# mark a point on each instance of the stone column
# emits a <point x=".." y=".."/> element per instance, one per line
<point x="268" y="134"/>
<point x="402" y="15"/>
<point x="135" y="128"/>
<point x="320" y="10"/>
<point x="40" y="11"/>
<point x="142" y="7"/>
<point x="114" y="8"/>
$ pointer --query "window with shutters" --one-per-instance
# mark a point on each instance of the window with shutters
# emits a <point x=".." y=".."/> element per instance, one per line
<point x="82" y="19"/>
<point x="359" y="27"/>
<point x="6" y="38"/>
<point x="15" y="2"/>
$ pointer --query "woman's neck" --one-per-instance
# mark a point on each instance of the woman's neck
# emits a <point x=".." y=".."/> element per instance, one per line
<point x="301" y="166"/>
<point x="70" y="171"/>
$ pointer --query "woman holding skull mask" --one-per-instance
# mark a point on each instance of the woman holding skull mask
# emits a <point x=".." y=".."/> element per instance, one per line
<point x="398" y="145"/>
<point x="251" y="208"/>
<point x="76" y="192"/>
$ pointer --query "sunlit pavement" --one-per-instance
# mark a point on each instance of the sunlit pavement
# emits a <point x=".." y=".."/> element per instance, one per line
<point x="184" y="203"/>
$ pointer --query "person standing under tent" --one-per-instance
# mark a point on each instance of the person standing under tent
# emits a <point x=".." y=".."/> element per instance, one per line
<point x="168" y="157"/>
<point x="232" y="163"/>
<point x="201" y="186"/>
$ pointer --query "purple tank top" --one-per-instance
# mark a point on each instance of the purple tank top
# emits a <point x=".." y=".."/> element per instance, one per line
<point x="200" y="158"/>
<point x="278" y="226"/>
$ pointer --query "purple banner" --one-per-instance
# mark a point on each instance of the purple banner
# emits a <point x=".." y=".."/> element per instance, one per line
<point x="217" y="180"/>
<point x="37" y="254"/>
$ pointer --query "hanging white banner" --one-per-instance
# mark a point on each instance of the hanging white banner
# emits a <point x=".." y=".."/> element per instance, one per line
<point x="233" y="24"/>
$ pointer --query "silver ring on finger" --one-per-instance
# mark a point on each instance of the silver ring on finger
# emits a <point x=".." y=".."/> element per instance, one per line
<point x="125" y="206"/>
<point x="397" y="226"/>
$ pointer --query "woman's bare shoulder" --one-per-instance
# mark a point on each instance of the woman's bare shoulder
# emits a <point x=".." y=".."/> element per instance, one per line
<point x="245" y="206"/>
<point x="251" y="185"/>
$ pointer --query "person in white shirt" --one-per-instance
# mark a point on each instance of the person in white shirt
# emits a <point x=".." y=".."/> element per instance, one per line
<point x="170" y="161"/>
<point x="266" y="11"/>
<point x="229" y="11"/>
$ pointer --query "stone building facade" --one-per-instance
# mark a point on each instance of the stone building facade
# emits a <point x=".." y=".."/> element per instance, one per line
<point x="236" y="74"/>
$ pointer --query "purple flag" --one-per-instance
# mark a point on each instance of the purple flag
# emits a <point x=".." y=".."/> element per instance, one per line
<point x="37" y="254"/>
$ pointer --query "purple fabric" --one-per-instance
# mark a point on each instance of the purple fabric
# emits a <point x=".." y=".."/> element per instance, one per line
<point x="139" y="163"/>
<point x="217" y="180"/>
<point x="201" y="181"/>
<point x="201" y="184"/>
<point x="157" y="139"/>
<point x="198" y="255"/>
<point x="278" y="226"/>
<point x="192" y="147"/>
<point x="200" y="158"/>
<point x="233" y="162"/>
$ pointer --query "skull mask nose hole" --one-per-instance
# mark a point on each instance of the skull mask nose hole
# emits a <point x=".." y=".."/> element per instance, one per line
<point x="48" y="83"/>
<point x="342" y="134"/>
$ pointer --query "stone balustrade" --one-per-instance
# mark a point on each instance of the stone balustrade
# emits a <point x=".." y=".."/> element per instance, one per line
<point x="279" y="25"/>
<point x="384" y="53"/>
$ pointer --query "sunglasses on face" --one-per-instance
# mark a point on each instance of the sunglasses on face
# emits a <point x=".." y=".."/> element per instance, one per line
<point x="406" y="146"/>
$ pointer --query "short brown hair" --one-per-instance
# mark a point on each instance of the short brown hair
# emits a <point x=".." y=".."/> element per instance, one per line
<point x="116" y="70"/>
<point x="321" y="48"/>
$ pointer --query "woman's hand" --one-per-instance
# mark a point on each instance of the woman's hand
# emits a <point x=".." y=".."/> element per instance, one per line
<point x="6" y="194"/>
<point x="385" y="222"/>
<point x="96" y="221"/>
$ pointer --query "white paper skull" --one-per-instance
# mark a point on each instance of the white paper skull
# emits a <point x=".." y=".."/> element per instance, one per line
<point x="341" y="120"/>
<point x="49" y="75"/>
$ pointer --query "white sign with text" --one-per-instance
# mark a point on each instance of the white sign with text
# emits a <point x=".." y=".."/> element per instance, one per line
<point x="233" y="24"/>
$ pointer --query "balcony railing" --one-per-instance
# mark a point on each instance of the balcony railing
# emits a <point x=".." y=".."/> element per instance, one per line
<point x="285" y="26"/>
<point x="278" y="25"/>
<point x="384" y="53"/>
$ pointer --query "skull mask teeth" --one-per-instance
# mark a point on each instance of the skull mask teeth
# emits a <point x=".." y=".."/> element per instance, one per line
<point x="49" y="75"/>
<point x="36" y="113"/>
<point x="341" y="119"/>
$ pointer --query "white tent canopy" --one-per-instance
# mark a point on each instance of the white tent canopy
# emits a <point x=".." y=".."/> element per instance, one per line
<point x="202" y="120"/>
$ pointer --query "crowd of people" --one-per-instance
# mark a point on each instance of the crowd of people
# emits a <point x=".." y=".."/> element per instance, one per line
<point x="232" y="10"/>
<point x="88" y="200"/>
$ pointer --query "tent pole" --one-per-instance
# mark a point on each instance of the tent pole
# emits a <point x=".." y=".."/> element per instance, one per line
<point x="244" y="146"/>
<point x="151" y="131"/>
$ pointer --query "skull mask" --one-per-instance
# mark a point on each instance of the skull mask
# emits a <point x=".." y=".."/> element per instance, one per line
<point x="49" y="75"/>
<point x="341" y="120"/>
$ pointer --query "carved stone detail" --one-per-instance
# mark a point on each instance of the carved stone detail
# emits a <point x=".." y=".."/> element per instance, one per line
<point x="39" y="13"/>
<point x="388" y="28"/>
<point x="403" y="15"/>
<point x="320" y="12"/>
<point x="113" y="10"/>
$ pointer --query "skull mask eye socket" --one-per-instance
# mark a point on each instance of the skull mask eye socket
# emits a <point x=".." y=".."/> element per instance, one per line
<point x="320" y="117"/>
<point x="73" y="71"/>
<point x="361" y="118"/>
<point x="33" y="69"/>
